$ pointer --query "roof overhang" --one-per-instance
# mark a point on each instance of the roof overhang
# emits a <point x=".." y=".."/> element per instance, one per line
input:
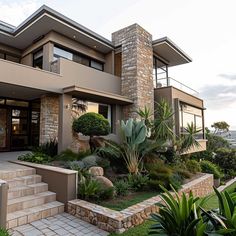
<point x="169" y="52"/>
<point x="97" y="96"/>
<point x="45" y="20"/>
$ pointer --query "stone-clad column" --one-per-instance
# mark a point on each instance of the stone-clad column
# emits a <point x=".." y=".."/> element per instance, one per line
<point x="49" y="118"/>
<point x="137" y="67"/>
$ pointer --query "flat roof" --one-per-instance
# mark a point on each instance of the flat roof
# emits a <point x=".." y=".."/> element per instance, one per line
<point x="170" y="52"/>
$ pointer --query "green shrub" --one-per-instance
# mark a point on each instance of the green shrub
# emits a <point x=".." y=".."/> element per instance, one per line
<point x="91" y="124"/>
<point x="103" y="162"/>
<point x="49" y="148"/>
<point x="193" y="166"/>
<point x="75" y="165"/>
<point x="90" y="161"/>
<point x="211" y="168"/>
<point x="69" y="155"/>
<point x="106" y="193"/>
<point x="89" y="189"/>
<point x="35" y="157"/>
<point x="226" y="160"/>
<point x="4" y="232"/>
<point x="121" y="187"/>
<point x="138" y="182"/>
<point x="184" y="174"/>
<point x="176" y="181"/>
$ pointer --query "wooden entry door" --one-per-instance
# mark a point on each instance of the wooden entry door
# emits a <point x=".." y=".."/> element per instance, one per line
<point x="4" y="134"/>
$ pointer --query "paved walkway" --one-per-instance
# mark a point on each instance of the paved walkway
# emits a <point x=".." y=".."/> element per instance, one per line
<point x="63" y="224"/>
<point x="11" y="156"/>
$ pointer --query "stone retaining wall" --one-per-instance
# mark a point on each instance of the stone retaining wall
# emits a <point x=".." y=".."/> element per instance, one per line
<point x="120" y="221"/>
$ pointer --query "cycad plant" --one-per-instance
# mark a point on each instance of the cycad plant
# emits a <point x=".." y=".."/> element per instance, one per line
<point x="179" y="216"/>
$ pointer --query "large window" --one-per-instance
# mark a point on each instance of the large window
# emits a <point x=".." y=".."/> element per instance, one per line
<point x="160" y="73"/>
<point x="190" y="114"/>
<point x="9" y="57"/>
<point x="76" y="57"/>
<point x="81" y="107"/>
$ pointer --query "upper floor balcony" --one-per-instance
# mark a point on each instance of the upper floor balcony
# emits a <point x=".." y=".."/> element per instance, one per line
<point x="166" y="82"/>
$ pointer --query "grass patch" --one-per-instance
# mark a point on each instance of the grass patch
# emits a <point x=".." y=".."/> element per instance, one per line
<point x="212" y="202"/>
<point x="121" y="203"/>
<point x="142" y="230"/>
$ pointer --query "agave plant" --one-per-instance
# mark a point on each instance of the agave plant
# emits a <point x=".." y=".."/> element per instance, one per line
<point x="224" y="218"/>
<point x="134" y="145"/>
<point x="179" y="216"/>
<point x="146" y="115"/>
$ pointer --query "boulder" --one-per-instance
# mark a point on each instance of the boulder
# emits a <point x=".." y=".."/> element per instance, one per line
<point x="96" y="171"/>
<point x="105" y="182"/>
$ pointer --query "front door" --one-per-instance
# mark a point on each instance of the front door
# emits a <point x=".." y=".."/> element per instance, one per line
<point x="4" y="131"/>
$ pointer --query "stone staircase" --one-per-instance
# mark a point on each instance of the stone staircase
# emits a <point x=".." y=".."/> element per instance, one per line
<point x="28" y="197"/>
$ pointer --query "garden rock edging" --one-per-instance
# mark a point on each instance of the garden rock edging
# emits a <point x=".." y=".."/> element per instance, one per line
<point x="120" y="221"/>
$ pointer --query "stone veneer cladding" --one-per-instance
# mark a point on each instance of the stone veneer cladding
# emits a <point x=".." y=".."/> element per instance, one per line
<point x="49" y="118"/>
<point x="137" y="67"/>
<point x="120" y="221"/>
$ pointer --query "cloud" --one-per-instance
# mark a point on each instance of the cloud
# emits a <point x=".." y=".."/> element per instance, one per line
<point x="14" y="12"/>
<point x="219" y="96"/>
<point x="231" y="77"/>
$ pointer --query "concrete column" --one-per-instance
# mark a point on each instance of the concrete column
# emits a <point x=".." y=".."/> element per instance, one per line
<point x="49" y="115"/>
<point x="3" y="203"/>
<point x="65" y="122"/>
<point x="137" y="67"/>
<point x="47" y="56"/>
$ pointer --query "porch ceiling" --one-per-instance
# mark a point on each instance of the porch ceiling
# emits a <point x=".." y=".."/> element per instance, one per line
<point x="19" y="92"/>
<point x="97" y="96"/>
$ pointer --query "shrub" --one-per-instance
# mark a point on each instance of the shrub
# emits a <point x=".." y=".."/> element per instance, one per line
<point x="49" y="148"/>
<point x="35" y="157"/>
<point x="69" y="155"/>
<point x="89" y="189"/>
<point x="91" y="124"/>
<point x="138" y="181"/>
<point x="75" y="165"/>
<point x="121" y="187"/>
<point x="193" y="166"/>
<point x="209" y="167"/>
<point x="103" y="162"/>
<point x="90" y="161"/>
<point x="226" y="159"/>
<point x="106" y="193"/>
<point x="176" y="181"/>
<point x="184" y="174"/>
<point x="4" y="232"/>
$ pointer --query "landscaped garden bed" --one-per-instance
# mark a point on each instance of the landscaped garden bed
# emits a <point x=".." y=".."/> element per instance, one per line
<point x="119" y="182"/>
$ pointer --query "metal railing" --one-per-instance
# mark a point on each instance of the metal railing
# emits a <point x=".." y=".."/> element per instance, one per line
<point x="165" y="82"/>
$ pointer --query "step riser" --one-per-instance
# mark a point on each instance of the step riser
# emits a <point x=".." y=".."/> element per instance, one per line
<point x="24" y="181"/>
<point x="15" y="174"/>
<point x="34" y="216"/>
<point x="31" y="203"/>
<point x="12" y="194"/>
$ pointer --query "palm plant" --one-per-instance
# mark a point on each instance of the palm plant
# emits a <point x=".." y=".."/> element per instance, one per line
<point x="188" y="140"/>
<point x="179" y="217"/>
<point x="163" y="123"/>
<point x="146" y="115"/>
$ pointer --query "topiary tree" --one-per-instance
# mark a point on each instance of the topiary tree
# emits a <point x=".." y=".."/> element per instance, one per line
<point x="91" y="124"/>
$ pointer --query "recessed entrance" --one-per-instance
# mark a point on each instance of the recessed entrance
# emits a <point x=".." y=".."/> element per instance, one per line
<point x="19" y="124"/>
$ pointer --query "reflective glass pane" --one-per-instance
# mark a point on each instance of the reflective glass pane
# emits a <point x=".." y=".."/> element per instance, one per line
<point x="19" y="113"/>
<point x="96" y="65"/>
<point x="19" y="141"/>
<point x="3" y="128"/>
<point x="58" y="52"/>
<point x="17" y="103"/>
<point x="19" y="126"/>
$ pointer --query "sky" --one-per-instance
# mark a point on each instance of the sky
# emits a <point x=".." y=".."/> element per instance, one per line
<point x="205" y="30"/>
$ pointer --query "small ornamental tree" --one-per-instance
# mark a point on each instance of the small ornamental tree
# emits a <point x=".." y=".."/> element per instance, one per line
<point x="91" y="124"/>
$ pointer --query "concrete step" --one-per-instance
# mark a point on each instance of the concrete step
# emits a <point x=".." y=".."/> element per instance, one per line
<point x="27" y="190"/>
<point x="10" y="171"/>
<point x="35" y="213"/>
<point x="22" y="203"/>
<point x="24" y="180"/>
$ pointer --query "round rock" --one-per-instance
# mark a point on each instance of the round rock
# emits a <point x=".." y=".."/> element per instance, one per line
<point x="96" y="171"/>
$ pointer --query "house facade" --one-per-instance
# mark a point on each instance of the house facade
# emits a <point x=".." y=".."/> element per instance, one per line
<point x="49" y="64"/>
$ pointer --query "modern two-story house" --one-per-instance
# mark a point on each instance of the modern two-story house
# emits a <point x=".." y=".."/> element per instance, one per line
<point x="49" y="60"/>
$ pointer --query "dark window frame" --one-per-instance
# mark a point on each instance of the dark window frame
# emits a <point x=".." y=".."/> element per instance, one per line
<point x="39" y="58"/>
<point x="80" y="55"/>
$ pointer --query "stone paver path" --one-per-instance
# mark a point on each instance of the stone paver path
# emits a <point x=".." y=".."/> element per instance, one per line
<point x="62" y="224"/>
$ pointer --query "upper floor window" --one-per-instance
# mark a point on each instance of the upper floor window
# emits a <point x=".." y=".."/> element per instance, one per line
<point x="190" y="114"/>
<point x="38" y="59"/>
<point x="160" y="73"/>
<point x="9" y="57"/>
<point x="76" y="57"/>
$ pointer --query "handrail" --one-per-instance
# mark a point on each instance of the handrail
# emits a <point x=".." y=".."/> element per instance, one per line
<point x="169" y="83"/>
